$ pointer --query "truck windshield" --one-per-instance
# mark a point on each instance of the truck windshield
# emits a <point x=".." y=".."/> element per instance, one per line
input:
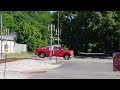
<point x="47" y="47"/>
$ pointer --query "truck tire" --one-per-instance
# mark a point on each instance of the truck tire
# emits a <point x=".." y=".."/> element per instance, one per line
<point x="42" y="55"/>
<point x="66" y="57"/>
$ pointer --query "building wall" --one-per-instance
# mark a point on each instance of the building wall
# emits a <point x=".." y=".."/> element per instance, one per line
<point x="13" y="47"/>
<point x="20" y="48"/>
<point x="10" y="46"/>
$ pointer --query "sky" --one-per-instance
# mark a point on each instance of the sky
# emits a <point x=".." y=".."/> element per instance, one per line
<point x="53" y="11"/>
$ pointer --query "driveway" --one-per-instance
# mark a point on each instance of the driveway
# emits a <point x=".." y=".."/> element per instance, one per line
<point x="81" y="68"/>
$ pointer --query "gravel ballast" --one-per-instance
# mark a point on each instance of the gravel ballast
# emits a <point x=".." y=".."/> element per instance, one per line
<point x="14" y="70"/>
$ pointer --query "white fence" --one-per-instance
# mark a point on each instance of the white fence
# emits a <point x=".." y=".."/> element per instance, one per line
<point x="20" y="48"/>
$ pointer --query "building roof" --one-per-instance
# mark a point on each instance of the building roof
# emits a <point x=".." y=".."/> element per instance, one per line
<point x="10" y="36"/>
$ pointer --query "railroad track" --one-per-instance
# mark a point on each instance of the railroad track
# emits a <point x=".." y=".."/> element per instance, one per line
<point x="12" y="59"/>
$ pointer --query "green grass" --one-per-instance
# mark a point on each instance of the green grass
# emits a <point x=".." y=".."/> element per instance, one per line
<point x="23" y="54"/>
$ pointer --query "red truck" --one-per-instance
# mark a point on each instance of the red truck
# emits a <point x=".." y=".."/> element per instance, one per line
<point x="57" y="50"/>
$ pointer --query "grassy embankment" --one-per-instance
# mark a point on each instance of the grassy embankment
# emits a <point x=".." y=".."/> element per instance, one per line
<point x="15" y="55"/>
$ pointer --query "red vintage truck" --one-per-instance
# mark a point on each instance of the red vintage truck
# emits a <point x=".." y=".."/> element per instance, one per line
<point x="57" y="50"/>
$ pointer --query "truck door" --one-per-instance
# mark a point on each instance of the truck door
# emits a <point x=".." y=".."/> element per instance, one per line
<point x="55" y="51"/>
<point x="60" y="52"/>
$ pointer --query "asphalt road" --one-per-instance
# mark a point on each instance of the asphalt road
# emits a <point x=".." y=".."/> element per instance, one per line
<point x="81" y="68"/>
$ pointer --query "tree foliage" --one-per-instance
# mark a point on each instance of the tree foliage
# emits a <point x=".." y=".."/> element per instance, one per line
<point x="82" y="31"/>
<point x="90" y="31"/>
<point x="31" y="27"/>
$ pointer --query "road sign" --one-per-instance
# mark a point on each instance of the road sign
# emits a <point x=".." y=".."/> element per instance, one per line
<point x="116" y="62"/>
<point x="6" y="50"/>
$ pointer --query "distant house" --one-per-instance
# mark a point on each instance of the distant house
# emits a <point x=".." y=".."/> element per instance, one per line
<point x="12" y="46"/>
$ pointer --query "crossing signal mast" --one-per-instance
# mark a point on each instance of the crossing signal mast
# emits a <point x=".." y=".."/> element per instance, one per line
<point x="51" y="28"/>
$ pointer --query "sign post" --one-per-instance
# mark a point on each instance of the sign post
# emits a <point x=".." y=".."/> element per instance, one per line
<point x="116" y="61"/>
<point x="6" y="51"/>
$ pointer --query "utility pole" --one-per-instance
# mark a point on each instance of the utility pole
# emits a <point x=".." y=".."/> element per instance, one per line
<point x="1" y="35"/>
<point x="58" y="27"/>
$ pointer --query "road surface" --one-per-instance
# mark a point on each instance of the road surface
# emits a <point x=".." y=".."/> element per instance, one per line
<point x="81" y="68"/>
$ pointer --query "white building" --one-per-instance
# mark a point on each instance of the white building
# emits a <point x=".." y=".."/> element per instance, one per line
<point x="12" y="46"/>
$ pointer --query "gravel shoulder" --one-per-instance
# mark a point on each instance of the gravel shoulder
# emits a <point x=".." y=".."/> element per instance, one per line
<point x="21" y="68"/>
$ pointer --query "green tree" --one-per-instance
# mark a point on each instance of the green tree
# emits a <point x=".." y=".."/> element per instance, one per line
<point x="28" y="25"/>
<point x="90" y="31"/>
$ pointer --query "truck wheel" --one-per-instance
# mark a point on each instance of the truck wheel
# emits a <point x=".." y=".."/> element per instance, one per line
<point x="42" y="55"/>
<point x="66" y="56"/>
